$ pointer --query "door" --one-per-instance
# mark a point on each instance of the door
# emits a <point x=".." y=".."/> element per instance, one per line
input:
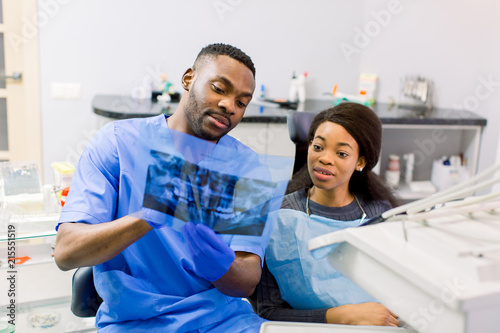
<point x="20" y="124"/>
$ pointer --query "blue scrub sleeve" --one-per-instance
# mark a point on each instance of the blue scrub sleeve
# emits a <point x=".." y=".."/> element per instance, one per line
<point x="250" y="244"/>
<point x="93" y="193"/>
<point x="253" y="244"/>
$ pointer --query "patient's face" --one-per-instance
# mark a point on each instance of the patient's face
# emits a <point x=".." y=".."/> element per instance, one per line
<point x="333" y="156"/>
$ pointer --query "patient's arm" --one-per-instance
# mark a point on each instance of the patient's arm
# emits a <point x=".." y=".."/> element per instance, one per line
<point x="268" y="304"/>
<point x="369" y="313"/>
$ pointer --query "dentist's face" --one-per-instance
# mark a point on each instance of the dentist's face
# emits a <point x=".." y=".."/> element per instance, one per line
<point x="219" y="93"/>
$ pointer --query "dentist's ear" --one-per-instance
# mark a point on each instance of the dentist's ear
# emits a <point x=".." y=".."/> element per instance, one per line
<point x="187" y="79"/>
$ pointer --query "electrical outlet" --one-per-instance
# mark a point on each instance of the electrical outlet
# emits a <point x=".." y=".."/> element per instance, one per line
<point x="57" y="91"/>
<point x="73" y="91"/>
<point x="68" y="91"/>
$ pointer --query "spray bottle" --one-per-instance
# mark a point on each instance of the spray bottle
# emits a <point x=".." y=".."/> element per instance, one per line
<point x="297" y="88"/>
<point x="292" y="93"/>
<point x="301" y="87"/>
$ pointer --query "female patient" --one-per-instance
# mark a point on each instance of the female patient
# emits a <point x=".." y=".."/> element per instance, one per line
<point x="338" y="190"/>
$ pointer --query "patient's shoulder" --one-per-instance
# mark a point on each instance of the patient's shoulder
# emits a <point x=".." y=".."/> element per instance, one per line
<point x="295" y="201"/>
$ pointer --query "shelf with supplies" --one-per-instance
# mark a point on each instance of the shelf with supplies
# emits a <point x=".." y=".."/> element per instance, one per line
<point x="429" y="144"/>
<point x="29" y="226"/>
<point x="38" y="293"/>
<point x="41" y="292"/>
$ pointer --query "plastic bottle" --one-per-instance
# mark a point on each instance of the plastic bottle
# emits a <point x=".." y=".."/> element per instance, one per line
<point x="301" y="87"/>
<point x="393" y="173"/>
<point x="409" y="165"/>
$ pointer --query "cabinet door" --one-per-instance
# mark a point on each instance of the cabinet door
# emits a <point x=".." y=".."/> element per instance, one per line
<point x="19" y="94"/>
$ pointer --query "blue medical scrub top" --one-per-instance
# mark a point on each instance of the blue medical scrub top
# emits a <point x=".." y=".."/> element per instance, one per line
<point x="150" y="286"/>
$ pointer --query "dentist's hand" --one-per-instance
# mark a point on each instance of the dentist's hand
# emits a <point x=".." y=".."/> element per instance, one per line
<point x="211" y="256"/>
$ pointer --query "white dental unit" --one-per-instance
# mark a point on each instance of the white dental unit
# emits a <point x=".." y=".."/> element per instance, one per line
<point x="437" y="266"/>
<point x="445" y="277"/>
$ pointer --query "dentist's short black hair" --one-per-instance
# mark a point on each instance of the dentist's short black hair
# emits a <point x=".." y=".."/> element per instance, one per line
<point x="214" y="50"/>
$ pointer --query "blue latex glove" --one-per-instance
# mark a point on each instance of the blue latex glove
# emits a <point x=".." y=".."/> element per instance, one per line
<point x="211" y="256"/>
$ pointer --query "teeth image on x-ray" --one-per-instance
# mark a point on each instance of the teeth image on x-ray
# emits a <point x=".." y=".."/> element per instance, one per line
<point x="226" y="186"/>
<point x="224" y="202"/>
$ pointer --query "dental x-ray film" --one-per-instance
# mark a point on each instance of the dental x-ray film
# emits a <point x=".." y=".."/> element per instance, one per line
<point x="227" y="187"/>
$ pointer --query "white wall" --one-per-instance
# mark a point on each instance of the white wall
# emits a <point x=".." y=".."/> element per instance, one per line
<point x="112" y="47"/>
<point x="455" y="43"/>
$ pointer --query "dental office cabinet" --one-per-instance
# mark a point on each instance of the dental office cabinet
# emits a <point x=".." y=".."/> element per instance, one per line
<point x="36" y="295"/>
<point x="39" y="293"/>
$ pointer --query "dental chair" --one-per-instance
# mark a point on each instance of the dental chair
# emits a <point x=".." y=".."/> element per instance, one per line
<point x="298" y="128"/>
<point x="84" y="297"/>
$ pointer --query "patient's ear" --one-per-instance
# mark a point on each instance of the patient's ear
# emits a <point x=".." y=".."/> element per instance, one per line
<point x="361" y="162"/>
<point x="187" y="79"/>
